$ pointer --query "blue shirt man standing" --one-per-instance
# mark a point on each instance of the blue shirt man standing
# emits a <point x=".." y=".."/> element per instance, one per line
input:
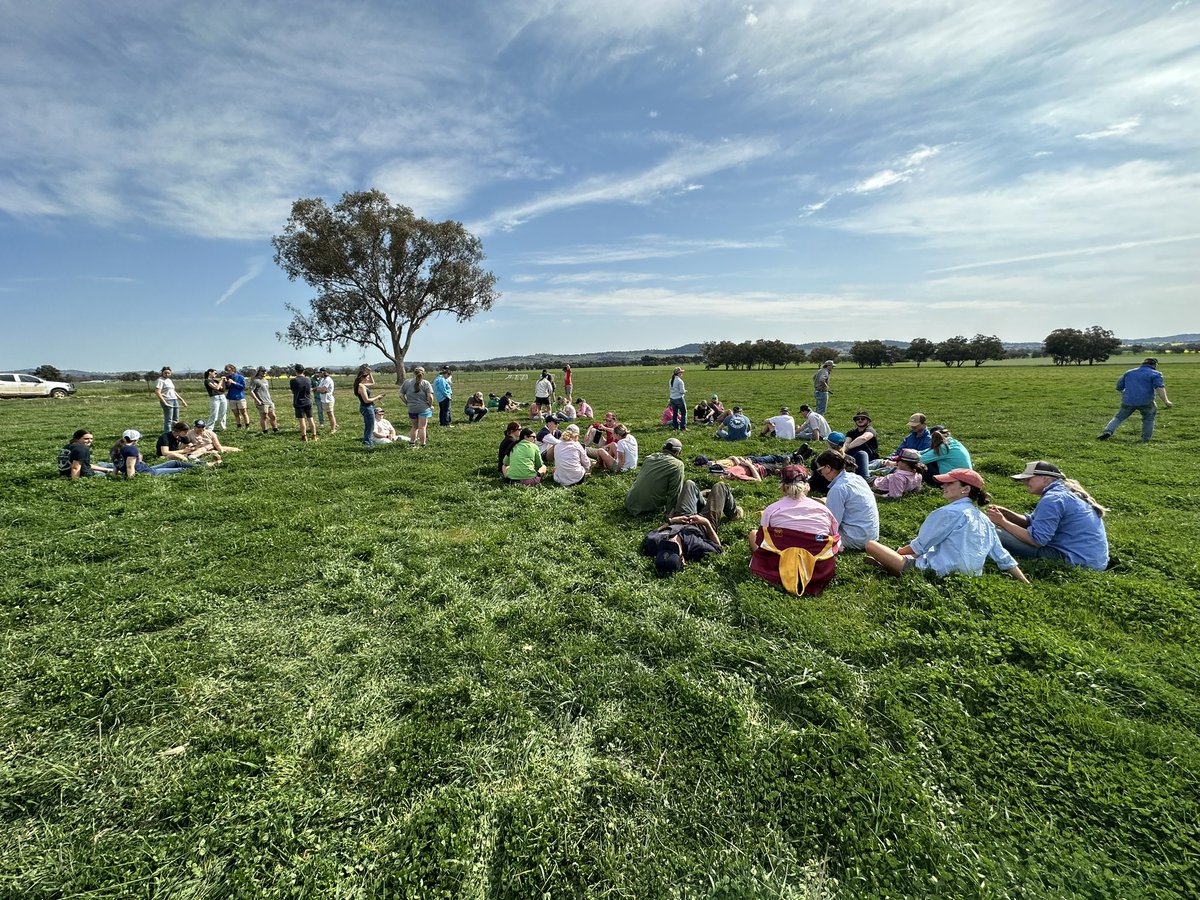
<point x="1138" y="389"/>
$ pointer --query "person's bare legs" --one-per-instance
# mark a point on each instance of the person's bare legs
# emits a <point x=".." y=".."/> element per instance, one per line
<point x="891" y="561"/>
<point x="331" y="417"/>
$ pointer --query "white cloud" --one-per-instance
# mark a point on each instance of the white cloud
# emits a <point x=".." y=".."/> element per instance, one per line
<point x="879" y="180"/>
<point x="670" y="174"/>
<point x="254" y="268"/>
<point x="1117" y="130"/>
<point x="650" y="246"/>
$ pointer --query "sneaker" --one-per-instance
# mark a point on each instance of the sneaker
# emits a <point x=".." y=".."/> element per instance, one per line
<point x="1103" y="436"/>
<point x="738" y="513"/>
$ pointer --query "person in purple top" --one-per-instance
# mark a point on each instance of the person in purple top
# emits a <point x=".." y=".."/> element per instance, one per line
<point x="1138" y="389"/>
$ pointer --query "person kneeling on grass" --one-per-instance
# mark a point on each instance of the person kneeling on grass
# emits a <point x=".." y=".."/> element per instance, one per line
<point x="689" y="537"/>
<point x="797" y="541"/>
<point x="524" y="465"/>
<point x="1066" y="525"/>
<point x="957" y="537"/>
<point x="127" y="461"/>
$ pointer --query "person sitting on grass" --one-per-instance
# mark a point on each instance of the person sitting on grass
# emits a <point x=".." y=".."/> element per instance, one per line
<point x="659" y="481"/>
<point x="689" y="537"/>
<point x="584" y="409"/>
<point x="918" y="438"/>
<point x="956" y="537"/>
<point x="383" y="431"/>
<point x="507" y="403"/>
<point x="944" y="453"/>
<point x="734" y="427"/>
<point x="566" y="410"/>
<point x="512" y="434"/>
<point x="782" y="426"/>
<point x="126" y="458"/>
<point x="571" y="462"/>
<point x="624" y="453"/>
<point x="602" y="432"/>
<point x="815" y="427"/>
<point x="75" y="459"/>
<point x="849" y="499"/>
<point x="524" y="465"/>
<point x="702" y="413"/>
<point x="205" y="442"/>
<point x="175" y="444"/>
<point x="1066" y="524"/>
<point x="717" y="408"/>
<point x="908" y="477"/>
<point x="797" y="540"/>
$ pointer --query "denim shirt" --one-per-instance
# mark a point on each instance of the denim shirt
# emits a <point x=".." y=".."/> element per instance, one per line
<point x="853" y="504"/>
<point x="958" y="537"/>
<point x="1137" y="385"/>
<point x="1065" y="522"/>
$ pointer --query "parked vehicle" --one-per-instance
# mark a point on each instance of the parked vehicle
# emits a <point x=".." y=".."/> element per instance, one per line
<point x="14" y="384"/>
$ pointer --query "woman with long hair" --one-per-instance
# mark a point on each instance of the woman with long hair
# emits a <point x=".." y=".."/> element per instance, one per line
<point x="956" y="537"/>
<point x="1067" y="524"/>
<point x="945" y="454"/>
<point x="366" y="403"/>
<point x="418" y="394"/>
<point x="218" y="403"/>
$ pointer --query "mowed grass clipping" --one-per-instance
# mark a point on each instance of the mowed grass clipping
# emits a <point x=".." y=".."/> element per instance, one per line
<point x="326" y="671"/>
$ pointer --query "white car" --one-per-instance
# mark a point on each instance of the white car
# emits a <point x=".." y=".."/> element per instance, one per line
<point x="14" y="384"/>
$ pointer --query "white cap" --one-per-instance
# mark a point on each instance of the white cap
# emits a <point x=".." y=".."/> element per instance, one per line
<point x="132" y="435"/>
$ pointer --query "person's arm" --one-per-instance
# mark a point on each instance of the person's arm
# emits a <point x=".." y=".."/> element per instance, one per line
<point x="704" y="523"/>
<point x="1161" y="393"/>
<point x="130" y="466"/>
<point x="1015" y="572"/>
<point x="76" y="468"/>
<point x="860" y="440"/>
<point x="158" y="392"/>
<point x="216" y="442"/>
<point x="1014" y="524"/>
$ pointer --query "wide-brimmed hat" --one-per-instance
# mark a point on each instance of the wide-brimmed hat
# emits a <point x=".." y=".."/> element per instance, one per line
<point x="1039" y="467"/>
<point x="909" y="455"/>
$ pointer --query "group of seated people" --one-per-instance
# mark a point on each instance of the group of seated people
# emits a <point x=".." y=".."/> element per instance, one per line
<point x="799" y="537"/>
<point x="525" y="455"/>
<point x="181" y="449"/>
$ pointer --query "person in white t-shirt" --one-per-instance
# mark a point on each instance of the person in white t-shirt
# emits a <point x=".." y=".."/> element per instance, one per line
<point x="625" y="451"/>
<point x="325" y="398"/>
<point x="782" y="426"/>
<point x="385" y="431"/>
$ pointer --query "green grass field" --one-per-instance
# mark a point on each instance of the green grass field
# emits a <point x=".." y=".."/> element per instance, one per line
<point x="327" y="671"/>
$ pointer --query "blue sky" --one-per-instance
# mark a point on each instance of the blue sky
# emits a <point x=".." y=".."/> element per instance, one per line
<point x="642" y="174"/>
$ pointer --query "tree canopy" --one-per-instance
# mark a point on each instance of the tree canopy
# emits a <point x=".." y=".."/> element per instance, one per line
<point x="1070" y="345"/>
<point x="48" y="372"/>
<point x="380" y="273"/>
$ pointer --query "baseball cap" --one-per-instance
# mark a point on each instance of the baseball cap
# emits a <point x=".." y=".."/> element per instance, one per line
<point x="668" y="560"/>
<point x="793" y="472"/>
<point x="965" y="476"/>
<point x="916" y="419"/>
<point x="572" y="429"/>
<point x="836" y="437"/>
<point x="1039" y="467"/>
<point x="673" y="444"/>
<point x="830" y="363"/>
<point x="132" y="434"/>
<point x="200" y="423"/>
<point x="934" y="428"/>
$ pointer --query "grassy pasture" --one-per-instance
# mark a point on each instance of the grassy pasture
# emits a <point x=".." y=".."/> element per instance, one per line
<point x="327" y="671"/>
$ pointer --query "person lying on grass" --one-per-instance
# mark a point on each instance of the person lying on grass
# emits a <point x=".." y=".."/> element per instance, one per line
<point x="1066" y="524"/>
<point x="690" y="537"/>
<point x="957" y="537"/>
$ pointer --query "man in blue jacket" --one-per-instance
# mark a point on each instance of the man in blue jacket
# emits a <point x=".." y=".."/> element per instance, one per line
<point x="1138" y="389"/>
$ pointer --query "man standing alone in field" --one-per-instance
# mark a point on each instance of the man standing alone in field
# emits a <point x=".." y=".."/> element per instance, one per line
<point x="1138" y="389"/>
<point x="821" y="385"/>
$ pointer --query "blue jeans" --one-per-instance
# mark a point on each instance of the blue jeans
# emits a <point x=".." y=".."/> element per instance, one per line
<point x="678" y="413"/>
<point x="861" y="460"/>
<point x="368" y="414"/>
<point x="474" y="413"/>
<point x="170" y="414"/>
<point x="822" y="401"/>
<point x="218" y="410"/>
<point x="1022" y="550"/>
<point x="1148" y="411"/>
<point x="170" y="467"/>
<point x="320" y="410"/>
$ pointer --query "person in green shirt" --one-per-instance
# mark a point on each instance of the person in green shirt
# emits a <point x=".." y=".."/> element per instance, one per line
<point x="524" y="465"/>
<point x="659" y="481"/>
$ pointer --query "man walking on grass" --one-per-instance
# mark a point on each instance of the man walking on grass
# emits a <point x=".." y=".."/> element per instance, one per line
<point x="1138" y="389"/>
<point x="821" y="385"/>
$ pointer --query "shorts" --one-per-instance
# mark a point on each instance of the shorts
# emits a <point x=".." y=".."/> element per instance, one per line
<point x="304" y="412"/>
<point x="327" y="399"/>
<point x="428" y="414"/>
<point x="237" y="404"/>
<point x="542" y="401"/>
<point x="269" y="406"/>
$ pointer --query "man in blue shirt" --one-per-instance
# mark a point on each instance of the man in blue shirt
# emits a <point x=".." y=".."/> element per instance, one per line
<point x="1066" y="525"/>
<point x="235" y="394"/>
<point x="1138" y="389"/>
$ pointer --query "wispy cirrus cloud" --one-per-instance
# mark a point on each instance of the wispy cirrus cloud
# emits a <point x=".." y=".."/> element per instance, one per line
<point x="1118" y="130"/>
<point x="254" y="268"/>
<point x="650" y="246"/>
<point x="678" y="170"/>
